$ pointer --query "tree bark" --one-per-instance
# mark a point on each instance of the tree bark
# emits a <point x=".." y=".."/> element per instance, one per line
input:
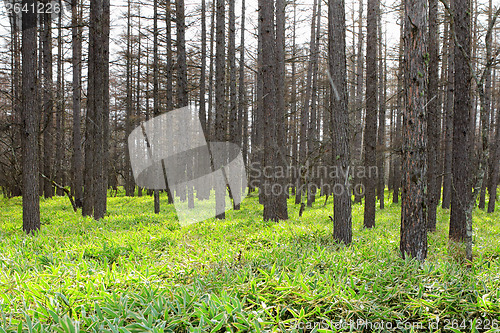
<point x="342" y="224"/>
<point x="371" y="114"/>
<point x="358" y="134"/>
<point x="280" y="159"/>
<point x="413" y="212"/>
<point x="433" y="116"/>
<point x="48" y="105"/>
<point x="449" y="110"/>
<point x="30" y="122"/>
<point x="129" y="181"/>
<point x="220" y="97"/>
<point x="77" y="161"/>
<point x="461" y="174"/>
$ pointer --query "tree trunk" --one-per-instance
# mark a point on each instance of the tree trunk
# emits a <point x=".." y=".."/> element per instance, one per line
<point x="304" y="115"/>
<point x="77" y="161"/>
<point x="99" y="79"/>
<point x="399" y="117"/>
<point x="461" y="189"/>
<point x="30" y="122"/>
<point x="138" y="112"/>
<point x="495" y="171"/>
<point x="370" y="138"/>
<point x="129" y="181"/>
<point x="242" y="94"/>
<point x="220" y="99"/>
<point x="313" y="121"/>
<point x="342" y="221"/>
<point x="358" y="134"/>
<point x="60" y="149"/>
<point x="48" y="106"/>
<point x="433" y="116"/>
<point x="169" y="74"/>
<point x="449" y="107"/>
<point x="381" y="145"/>
<point x="280" y="158"/>
<point x="413" y="215"/>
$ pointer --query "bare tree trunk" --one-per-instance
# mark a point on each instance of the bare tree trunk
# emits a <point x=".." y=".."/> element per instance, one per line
<point x="103" y="195"/>
<point x="487" y="109"/>
<point x="210" y="115"/>
<point x="182" y="84"/>
<point x="77" y="161"/>
<point x="313" y="128"/>
<point x="293" y="105"/>
<point x="370" y="138"/>
<point x="203" y="107"/>
<point x="220" y="94"/>
<point x="242" y="103"/>
<point x="433" y="116"/>
<point x="270" y="70"/>
<point x="358" y="134"/>
<point x="90" y="129"/>
<point x="413" y="215"/>
<point x="304" y="117"/>
<point x="98" y="40"/>
<point x="448" y="154"/>
<point x="495" y="171"/>
<point x="59" y="172"/>
<point x="48" y="106"/>
<point x="381" y="145"/>
<point x="169" y="74"/>
<point x="138" y="112"/>
<point x="280" y="158"/>
<point x="342" y="221"/>
<point x="129" y="181"/>
<point x="30" y="122"/>
<point x="233" y="105"/>
<point x="156" y="97"/>
<point x="461" y="173"/>
<point x="399" y="118"/>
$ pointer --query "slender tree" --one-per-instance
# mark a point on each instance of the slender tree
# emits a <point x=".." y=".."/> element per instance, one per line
<point x="358" y="133"/>
<point x="156" y="97"/>
<point x="370" y="137"/>
<point x="449" y="107"/>
<point x="129" y="181"/>
<point x="220" y="93"/>
<point x="48" y="105"/>
<point x="77" y="161"/>
<point x="60" y="105"/>
<point x="433" y="116"/>
<point x="280" y="158"/>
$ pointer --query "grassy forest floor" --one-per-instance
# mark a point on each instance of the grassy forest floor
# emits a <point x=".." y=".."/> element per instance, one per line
<point x="135" y="271"/>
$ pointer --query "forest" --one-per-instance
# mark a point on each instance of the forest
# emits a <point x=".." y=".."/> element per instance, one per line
<point x="249" y="166"/>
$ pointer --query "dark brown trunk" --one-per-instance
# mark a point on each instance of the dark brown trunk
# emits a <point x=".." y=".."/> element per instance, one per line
<point x="30" y="122"/>
<point x="413" y="212"/>
<point x="461" y="173"/>
<point x="342" y="224"/>
<point x="77" y="161"/>
<point x="433" y="116"/>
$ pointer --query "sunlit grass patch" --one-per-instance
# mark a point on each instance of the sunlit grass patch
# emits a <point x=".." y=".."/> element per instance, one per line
<point x="135" y="271"/>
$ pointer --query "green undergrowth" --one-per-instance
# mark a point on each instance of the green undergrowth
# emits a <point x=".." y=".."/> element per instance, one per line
<point x="135" y="271"/>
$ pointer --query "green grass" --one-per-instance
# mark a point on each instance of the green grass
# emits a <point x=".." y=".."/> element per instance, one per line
<point x="135" y="271"/>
